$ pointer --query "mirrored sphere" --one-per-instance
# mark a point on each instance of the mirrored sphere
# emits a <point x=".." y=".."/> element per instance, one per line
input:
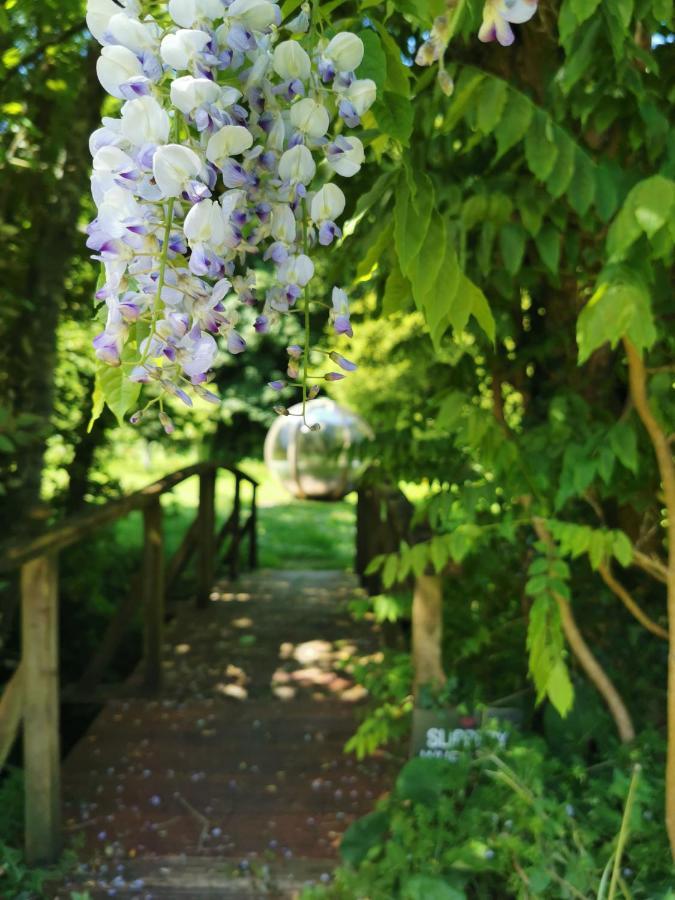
<point x="319" y="465"/>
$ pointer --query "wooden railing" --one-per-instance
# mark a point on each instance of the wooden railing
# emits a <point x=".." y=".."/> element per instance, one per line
<point x="31" y="698"/>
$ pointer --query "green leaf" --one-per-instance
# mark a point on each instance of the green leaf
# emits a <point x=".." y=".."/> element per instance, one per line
<point x="374" y="63"/>
<point x="622" y="548"/>
<point x="373" y="258"/>
<point x="581" y="191"/>
<point x="375" y="564"/>
<point x="563" y="170"/>
<point x="617" y="308"/>
<point x="390" y="570"/>
<point x="120" y="394"/>
<point x="425" y="887"/>
<point x="514" y="122"/>
<point x="398" y="75"/>
<point x="362" y="836"/>
<point x="463" y="96"/>
<point x="394" y="115"/>
<point x="397" y="292"/>
<point x="548" y="242"/>
<point x="580" y="61"/>
<point x="438" y="553"/>
<point x="584" y="9"/>
<point x="411" y="220"/>
<point x="421" y="780"/>
<point x="648" y="206"/>
<point x="540" y="151"/>
<point x="512" y="240"/>
<point x="559" y="688"/>
<point x="490" y="104"/>
<point x="623" y="442"/>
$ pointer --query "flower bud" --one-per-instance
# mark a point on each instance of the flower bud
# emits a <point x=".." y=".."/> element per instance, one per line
<point x="300" y="24"/>
<point x="328" y="203"/>
<point x="313" y="392"/>
<point x="291" y="61"/>
<point x="115" y="67"/>
<point x="361" y="94"/>
<point x="182" y="47"/>
<point x="345" y="364"/>
<point x="188" y="93"/>
<point x="255" y="14"/>
<point x="204" y="224"/>
<point x="173" y="166"/>
<point x="346" y="51"/>
<point x="333" y="376"/>
<point x="297" y="165"/>
<point x="345" y="156"/>
<point x="310" y="117"/>
<point x="445" y="82"/>
<point x="145" y="122"/>
<point x="283" y="225"/>
<point x="280" y="410"/>
<point x="231" y="140"/>
<point x="166" y="423"/>
<point x="100" y="12"/>
<point x="276" y="385"/>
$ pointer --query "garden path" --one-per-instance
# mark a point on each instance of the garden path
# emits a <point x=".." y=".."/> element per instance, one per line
<point x="233" y="782"/>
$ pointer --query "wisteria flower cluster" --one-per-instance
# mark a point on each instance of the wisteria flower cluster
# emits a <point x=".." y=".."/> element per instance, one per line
<point x="229" y="138"/>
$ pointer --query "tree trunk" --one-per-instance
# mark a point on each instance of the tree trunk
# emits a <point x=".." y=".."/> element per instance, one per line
<point x="427" y="631"/>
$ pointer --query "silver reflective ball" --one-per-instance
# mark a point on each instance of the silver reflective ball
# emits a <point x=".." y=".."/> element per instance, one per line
<point x="320" y="460"/>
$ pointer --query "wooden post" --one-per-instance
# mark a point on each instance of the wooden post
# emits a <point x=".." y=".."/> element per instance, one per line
<point x="253" y="534"/>
<point x="206" y="537"/>
<point x="40" y="674"/>
<point x="236" y="528"/>
<point x="427" y="627"/>
<point x="153" y="594"/>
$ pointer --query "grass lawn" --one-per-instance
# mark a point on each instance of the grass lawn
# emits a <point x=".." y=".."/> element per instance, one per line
<point x="293" y="534"/>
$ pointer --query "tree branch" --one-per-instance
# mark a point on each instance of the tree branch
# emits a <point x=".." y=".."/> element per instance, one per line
<point x="631" y="605"/>
<point x="584" y="654"/>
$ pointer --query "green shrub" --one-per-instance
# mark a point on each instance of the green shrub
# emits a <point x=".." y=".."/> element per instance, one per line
<point x="516" y="822"/>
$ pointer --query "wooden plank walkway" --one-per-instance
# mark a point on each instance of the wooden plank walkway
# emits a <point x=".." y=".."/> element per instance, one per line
<point x="233" y="782"/>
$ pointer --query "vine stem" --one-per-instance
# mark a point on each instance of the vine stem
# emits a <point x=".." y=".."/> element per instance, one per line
<point x="305" y="353"/>
<point x="163" y="259"/>
<point x="637" y="379"/>
<point x="623" y="833"/>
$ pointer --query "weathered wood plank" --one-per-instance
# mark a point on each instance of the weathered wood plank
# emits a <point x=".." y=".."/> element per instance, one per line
<point x="153" y="594"/>
<point x="11" y="711"/>
<point x="40" y="673"/>
<point x="79" y="527"/>
<point x="207" y="538"/>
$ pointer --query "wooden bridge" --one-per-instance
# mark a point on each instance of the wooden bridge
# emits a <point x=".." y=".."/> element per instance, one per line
<point x="217" y="769"/>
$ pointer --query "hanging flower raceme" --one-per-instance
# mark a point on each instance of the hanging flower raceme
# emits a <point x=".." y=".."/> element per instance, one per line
<point x="220" y="162"/>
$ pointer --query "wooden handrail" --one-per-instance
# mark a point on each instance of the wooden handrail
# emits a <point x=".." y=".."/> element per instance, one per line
<point x="79" y="526"/>
<point x="31" y="698"/>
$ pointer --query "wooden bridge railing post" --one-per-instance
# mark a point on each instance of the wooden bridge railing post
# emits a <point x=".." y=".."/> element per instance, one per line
<point x="206" y="562"/>
<point x="153" y="594"/>
<point x="40" y="688"/>
<point x="253" y="534"/>
<point x="236" y="527"/>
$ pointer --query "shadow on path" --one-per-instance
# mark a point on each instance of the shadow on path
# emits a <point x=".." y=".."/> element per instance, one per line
<point x="232" y="783"/>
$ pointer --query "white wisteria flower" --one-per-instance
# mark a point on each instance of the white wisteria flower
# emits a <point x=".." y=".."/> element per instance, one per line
<point x="206" y="176"/>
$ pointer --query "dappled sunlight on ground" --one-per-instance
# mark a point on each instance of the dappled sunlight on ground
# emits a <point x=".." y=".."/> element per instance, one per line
<point x="241" y="758"/>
